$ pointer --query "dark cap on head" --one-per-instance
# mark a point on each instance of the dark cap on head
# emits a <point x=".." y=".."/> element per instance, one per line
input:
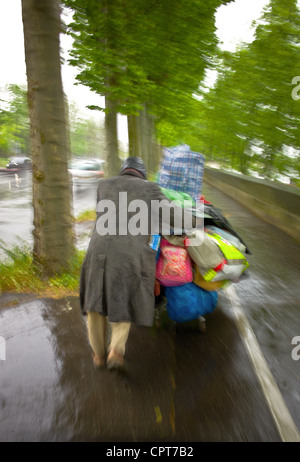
<point x="134" y="163"/>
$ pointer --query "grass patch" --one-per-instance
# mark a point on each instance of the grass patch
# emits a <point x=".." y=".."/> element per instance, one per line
<point x="68" y="282"/>
<point x="87" y="215"/>
<point x="18" y="274"/>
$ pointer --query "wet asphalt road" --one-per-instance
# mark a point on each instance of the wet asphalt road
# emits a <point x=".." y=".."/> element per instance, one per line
<point x="180" y="385"/>
<point x="16" y="215"/>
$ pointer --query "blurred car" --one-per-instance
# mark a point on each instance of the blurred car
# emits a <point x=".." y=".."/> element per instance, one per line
<point x="20" y="163"/>
<point x="85" y="172"/>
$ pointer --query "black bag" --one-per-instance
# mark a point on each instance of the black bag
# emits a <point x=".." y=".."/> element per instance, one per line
<point x="214" y="217"/>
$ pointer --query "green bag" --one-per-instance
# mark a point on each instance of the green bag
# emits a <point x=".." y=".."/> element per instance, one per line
<point x="182" y="199"/>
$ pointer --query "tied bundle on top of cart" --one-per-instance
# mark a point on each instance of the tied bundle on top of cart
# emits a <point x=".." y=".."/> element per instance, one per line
<point x="191" y="268"/>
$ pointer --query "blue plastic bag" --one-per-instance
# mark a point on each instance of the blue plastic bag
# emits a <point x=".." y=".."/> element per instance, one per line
<point x="189" y="301"/>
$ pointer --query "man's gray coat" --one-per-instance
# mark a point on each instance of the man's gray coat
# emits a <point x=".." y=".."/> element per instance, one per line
<point x="118" y="272"/>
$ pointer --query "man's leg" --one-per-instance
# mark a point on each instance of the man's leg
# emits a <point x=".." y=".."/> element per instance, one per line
<point x="97" y="328"/>
<point x="119" y="336"/>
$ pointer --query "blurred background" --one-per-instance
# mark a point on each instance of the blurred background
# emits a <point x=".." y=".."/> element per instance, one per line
<point x="242" y="113"/>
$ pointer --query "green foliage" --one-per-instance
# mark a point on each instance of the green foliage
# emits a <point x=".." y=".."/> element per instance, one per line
<point x="250" y="118"/>
<point x="18" y="274"/>
<point x="14" y="123"/>
<point x="137" y="53"/>
<point x="69" y="280"/>
<point x="16" y="270"/>
<point x="87" y="136"/>
<point x="87" y="215"/>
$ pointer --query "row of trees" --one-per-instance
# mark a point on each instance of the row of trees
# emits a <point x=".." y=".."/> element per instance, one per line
<point x="255" y="90"/>
<point x="148" y="59"/>
<point x="250" y="120"/>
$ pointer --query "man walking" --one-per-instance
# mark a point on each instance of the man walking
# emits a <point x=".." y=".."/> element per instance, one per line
<point x="118" y="273"/>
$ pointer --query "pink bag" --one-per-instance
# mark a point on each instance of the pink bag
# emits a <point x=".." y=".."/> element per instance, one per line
<point x="174" y="265"/>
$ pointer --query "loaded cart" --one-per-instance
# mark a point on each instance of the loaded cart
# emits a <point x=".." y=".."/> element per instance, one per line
<point x="191" y="269"/>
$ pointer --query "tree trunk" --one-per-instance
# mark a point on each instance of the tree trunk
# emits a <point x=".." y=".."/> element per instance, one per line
<point x="53" y="223"/>
<point x="150" y="142"/>
<point x="133" y="136"/>
<point x="158" y="156"/>
<point x="141" y="139"/>
<point x="111" y="133"/>
<point x="145" y="149"/>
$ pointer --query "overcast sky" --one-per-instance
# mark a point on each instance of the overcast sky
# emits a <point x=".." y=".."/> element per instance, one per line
<point x="233" y="22"/>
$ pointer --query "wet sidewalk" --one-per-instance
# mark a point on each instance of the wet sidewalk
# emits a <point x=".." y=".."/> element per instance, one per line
<point x="180" y="385"/>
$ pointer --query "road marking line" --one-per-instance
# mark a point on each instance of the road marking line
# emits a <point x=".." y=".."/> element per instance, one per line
<point x="284" y="422"/>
